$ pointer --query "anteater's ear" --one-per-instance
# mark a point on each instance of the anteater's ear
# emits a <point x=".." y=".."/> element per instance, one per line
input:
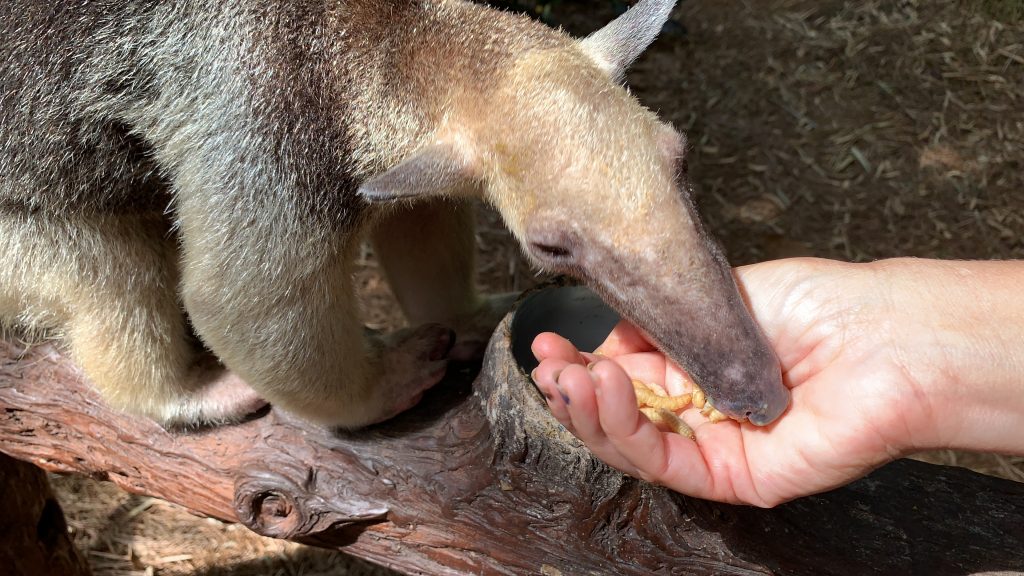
<point x="614" y="47"/>
<point x="434" y="170"/>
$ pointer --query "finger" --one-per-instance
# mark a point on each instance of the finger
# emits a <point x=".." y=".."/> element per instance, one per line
<point x="659" y="457"/>
<point x="575" y="380"/>
<point x="768" y="289"/>
<point x="677" y="381"/>
<point x="762" y="289"/>
<point x="544" y="375"/>
<point x="578" y="385"/>
<point x="551" y="345"/>
<point x="643" y="366"/>
<point x="625" y="427"/>
<point x="725" y="450"/>
<point x="625" y="338"/>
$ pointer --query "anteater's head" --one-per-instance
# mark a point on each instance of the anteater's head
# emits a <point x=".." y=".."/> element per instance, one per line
<point x="595" y="186"/>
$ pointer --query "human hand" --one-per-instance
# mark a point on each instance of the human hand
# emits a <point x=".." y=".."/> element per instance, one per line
<point x="869" y="374"/>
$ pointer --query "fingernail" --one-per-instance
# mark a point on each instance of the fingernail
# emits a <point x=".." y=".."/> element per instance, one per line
<point x="533" y="374"/>
<point x="594" y="375"/>
<point x="565" y="397"/>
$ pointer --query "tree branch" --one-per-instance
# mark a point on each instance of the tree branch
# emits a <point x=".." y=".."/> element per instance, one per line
<point x="485" y="482"/>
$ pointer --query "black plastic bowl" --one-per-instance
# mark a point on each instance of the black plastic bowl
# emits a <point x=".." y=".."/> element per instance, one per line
<point x="574" y="312"/>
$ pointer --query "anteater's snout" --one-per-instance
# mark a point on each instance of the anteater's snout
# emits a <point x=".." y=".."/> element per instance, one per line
<point x="706" y="330"/>
<point x="775" y="402"/>
<point x="752" y="393"/>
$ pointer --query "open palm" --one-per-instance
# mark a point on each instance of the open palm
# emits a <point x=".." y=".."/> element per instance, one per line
<point x="853" y="406"/>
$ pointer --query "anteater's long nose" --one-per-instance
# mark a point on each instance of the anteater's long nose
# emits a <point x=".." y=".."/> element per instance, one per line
<point x="751" y="389"/>
<point x="688" y="303"/>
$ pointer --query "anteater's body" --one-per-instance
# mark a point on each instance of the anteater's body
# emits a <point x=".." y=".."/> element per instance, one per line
<point x="225" y="160"/>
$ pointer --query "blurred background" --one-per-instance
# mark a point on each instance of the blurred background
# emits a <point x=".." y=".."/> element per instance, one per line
<point x="853" y="130"/>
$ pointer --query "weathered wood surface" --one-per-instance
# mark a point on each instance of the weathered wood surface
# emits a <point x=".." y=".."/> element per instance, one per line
<point x="34" y="536"/>
<point x="485" y="482"/>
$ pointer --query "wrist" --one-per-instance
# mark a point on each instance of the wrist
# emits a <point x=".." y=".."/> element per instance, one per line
<point x="958" y="336"/>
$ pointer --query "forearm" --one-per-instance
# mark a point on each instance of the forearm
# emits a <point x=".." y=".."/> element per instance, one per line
<point x="959" y="332"/>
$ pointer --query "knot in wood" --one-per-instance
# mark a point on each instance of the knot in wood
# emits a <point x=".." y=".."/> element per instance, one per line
<point x="274" y="506"/>
<point x="269" y="511"/>
<point x="293" y="504"/>
<point x="275" y="512"/>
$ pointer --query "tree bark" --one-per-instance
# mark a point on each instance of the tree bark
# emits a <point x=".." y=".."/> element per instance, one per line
<point x="478" y="479"/>
<point x="33" y="534"/>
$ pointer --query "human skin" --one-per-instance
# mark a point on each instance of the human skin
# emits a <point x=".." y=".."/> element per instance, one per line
<point x="883" y="359"/>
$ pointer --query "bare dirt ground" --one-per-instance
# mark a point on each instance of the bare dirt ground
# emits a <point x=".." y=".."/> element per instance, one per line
<point x="848" y="130"/>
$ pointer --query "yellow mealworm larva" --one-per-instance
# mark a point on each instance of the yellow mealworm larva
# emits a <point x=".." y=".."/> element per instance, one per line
<point x="645" y="397"/>
<point x="716" y="416"/>
<point x="657" y="389"/>
<point x="654" y="416"/>
<point x="698" y="398"/>
<point x="670" y="403"/>
<point x="662" y="417"/>
<point x="640" y="387"/>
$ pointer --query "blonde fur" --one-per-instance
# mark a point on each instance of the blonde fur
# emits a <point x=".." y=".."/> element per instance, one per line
<point x="221" y="162"/>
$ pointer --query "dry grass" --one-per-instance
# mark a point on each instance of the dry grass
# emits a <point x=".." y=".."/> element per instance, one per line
<point x="126" y="535"/>
<point x="874" y="129"/>
<point x="1005" y="10"/>
<point x="850" y="130"/>
<point x="854" y="131"/>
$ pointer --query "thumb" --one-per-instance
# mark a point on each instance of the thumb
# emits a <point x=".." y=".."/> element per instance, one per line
<point x="772" y="289"/>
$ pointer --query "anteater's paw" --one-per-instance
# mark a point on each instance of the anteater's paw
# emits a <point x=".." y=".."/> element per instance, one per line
<point x="411" y="361"/>
<point x="474" y="330"/>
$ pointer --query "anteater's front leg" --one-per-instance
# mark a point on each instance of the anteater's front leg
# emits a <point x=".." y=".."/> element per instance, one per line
<point x="108" y="283"/>
<point x="280" y="312"/>
<point x="428" y="251"/>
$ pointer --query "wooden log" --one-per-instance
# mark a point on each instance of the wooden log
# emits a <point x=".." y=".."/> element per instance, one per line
<point x="33" y="534"/>
<point x="480" y="480"/>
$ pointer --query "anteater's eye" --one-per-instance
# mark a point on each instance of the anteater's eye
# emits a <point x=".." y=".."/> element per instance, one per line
<point x="553" y="241"/>
<point x="551" y="251"/>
